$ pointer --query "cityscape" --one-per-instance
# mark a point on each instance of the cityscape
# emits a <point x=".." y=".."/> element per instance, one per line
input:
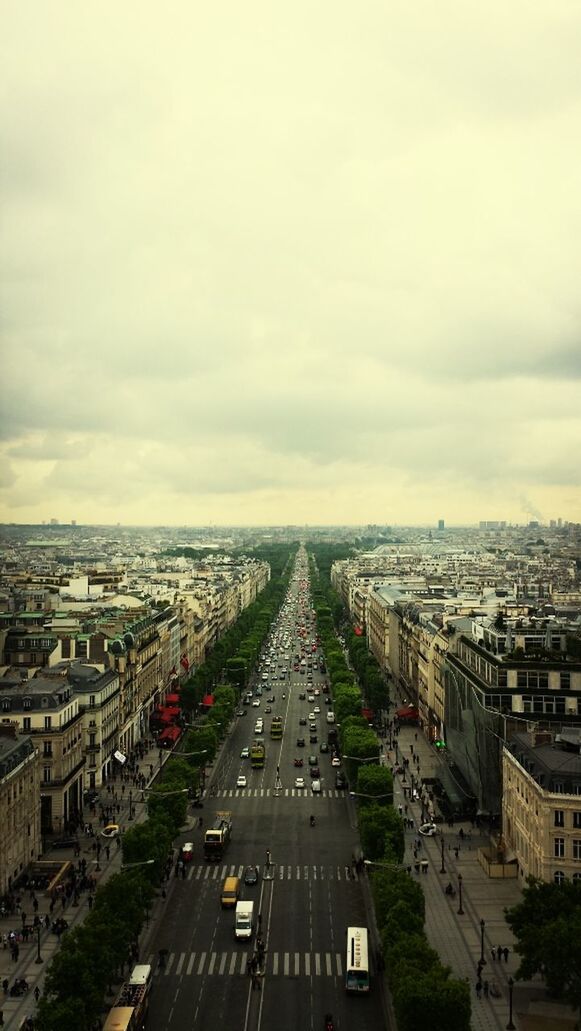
<point x="290" y="517"/>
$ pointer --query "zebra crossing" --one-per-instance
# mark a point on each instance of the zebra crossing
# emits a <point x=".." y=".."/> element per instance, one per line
<point x="277" y="872"/>
<point x="228" y="964"/>
<point x="271" y="792"/>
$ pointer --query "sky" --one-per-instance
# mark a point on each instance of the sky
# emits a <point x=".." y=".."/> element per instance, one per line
<point x="297" y="263"/>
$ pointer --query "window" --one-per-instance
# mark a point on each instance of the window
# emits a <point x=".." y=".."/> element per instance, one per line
<point x="6" y="705"/>
<point x="47" y="748"/>
<point x="559" y="818"/>
<point x="576" y="848"/>
<point x="559" y="877"/>
<point x="559" y="848"/>
<point x="46" y="775"/>
<point x="27" y="703"/>
<point x="565" y="681"/>
<point x="577" y="820"/>
<point x="47" y="722"/>
<point x="26" y="722"/>
<point x="558" y="787"/>
<point x="577" y="876"/>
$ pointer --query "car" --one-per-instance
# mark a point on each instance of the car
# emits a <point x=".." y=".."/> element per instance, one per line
<point x="110" y="831"/>
<point x="241" y="782"/>
<point x="251" y="875"/>
<point x="340" y="780"/>
<point x="298" y="762"/>
<point x="335" y="761"/>
<point x="315" y="771"/>
<point x="241" y="712"/>
<point x="247" y="701"/>
<point x="302" y="696"/>
<point x="271" y="699"/>
<point x="310" y="698"/>
<point x="317" y="709"/>
<point x="300" y="742"/>
<point x="312" y="739"/>
<point x="324" y="747"/>
<point x="328" y="700"/>
<point x="312" y="728"/>
<point x="268" y="708"/>
<point x="256" y="702"/>
<point x="245" y="752"/>
<point x="316" y="787"/>
<point x="299" y="782"/>
<point x="258" y="692"/>
<point x="187" y="852"/>
<point x="428" y="830"/>
<point x="311" y="716"/>
<point x="303" y="721"/>
<point x="313" y="760"/>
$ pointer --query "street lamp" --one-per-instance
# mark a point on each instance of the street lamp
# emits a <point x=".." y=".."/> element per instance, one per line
<point x="510" y="1026"/>
<point x="482" y="926"/>
<point x="131" y="866"/>
<point x="130" y="816"/>
<point x="38" y="956"/>
<point x="389" y="866"/>
<point x="460" y="910"/>
<point x="443" y="866"/>
<point x="359" y="794"/>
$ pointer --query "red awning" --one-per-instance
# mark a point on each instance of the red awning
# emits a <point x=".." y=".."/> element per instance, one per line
<point x="408" y="713"/>
<point x="169" y="735"/>
<point x="172" y="699"/>
<point x="208" y="700"/>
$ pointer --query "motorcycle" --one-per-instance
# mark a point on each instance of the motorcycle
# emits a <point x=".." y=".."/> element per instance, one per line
<point x="312" y="821"/>
<point x="329" y="1022"/>
<point x="298" y="762"/>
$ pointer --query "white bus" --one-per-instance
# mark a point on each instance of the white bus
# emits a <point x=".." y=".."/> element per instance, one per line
<point x="357" y="960"/>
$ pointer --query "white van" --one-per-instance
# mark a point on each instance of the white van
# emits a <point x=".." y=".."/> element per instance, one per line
<point x="316" y="787"/>
<point x="243" y="921"/>
<point x="330" y="717"/>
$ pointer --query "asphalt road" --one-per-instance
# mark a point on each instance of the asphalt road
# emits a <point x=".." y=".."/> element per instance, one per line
<point x="306" y="898"/>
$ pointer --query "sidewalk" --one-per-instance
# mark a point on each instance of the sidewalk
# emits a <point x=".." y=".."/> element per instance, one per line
<point x="16" y="1009"/>
<point x="457" y="937"/>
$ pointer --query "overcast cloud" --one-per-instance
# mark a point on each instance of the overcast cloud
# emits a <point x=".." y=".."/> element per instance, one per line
<point x="306" y="263"/>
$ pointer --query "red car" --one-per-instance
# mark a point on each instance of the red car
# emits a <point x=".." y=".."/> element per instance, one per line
<point x="298" y="762"/>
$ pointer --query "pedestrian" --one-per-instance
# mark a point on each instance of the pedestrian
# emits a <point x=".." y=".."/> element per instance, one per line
<point x="478" y="987"/>
<point x="499" y="952"/>
<point x="90" y="901"/>
<point x="37" y="993"/>
<point x="461" y="834"/>
<point x="505" y="954"/>
<point x="5" y="985"/>
<point x="47" y="921"/>
<point x="480" y="968"/>
<point x="183" y="871"/>
<point x="485" y="988"/>
<point x="107" y="851"/>
<point x="493" y="954"/>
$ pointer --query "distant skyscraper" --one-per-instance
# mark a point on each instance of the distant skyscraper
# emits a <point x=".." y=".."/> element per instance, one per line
<point x="54" y="522"/>
<point x="440" y="524"/>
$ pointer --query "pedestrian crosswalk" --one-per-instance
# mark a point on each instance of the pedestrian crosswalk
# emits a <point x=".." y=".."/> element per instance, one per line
<point x="271" y="793"/>
<point x="231" y="963"/>
<point x="275" y="872"/>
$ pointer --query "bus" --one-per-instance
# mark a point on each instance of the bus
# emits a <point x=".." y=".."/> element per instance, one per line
<point x="257" y="755"/>
<point x="276" y="728"/>
<point x="357" y="960"/>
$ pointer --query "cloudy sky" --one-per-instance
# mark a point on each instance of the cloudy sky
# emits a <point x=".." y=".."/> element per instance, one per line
<point x="315" y="262"/>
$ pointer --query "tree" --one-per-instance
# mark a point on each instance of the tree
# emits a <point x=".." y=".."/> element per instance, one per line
<point x="445" y="999"/>
<point x="547" y="926"/>
<point x="379" y="827"/>
<point x="375" y="780"/>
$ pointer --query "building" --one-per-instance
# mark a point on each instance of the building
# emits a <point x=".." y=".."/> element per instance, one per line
<point x="541" y="817"/>
<point x="46" y="708"/>
<point x="20" y="840"/>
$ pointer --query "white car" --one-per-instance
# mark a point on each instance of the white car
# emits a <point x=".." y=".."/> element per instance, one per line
<point x="428" y="830"/>
<point x="311" y="716"/>
<point x="245" y="753"/>
<point x="316" y="692"/>
<point x="299" y="782"/>
<point x="256" y="702"/>
<point x="316" y="709"/>
<point x="335" y="761"/>
<point x="241" y="782"/>
<point x="310" y="698"/>
<point x="316" y="787"/>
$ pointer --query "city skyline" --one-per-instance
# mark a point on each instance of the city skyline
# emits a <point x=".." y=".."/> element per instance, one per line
<point x="313" y="270"/>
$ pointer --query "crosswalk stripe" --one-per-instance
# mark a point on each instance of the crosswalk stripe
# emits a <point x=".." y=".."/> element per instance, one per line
<point x="233" y="959"/>
<point x="201" y="963"/>
<point x="317" y="963"/>
<point x="287" y="964"/>
<point x="297" y="964"/>
<point x="275" y="963"/>
<point x="211" y="963"/>
<point x="190" y="965"/>
<point x="308" y="964"/>
<point x="180" y="963"/>
<point x="170" y="960"/>
<point x="328" y="962"/>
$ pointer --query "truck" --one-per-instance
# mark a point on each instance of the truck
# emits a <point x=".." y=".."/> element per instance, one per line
<point x="244" y="921"/>
<point x="217" y="836"/>
<point x="131" y="1005"/>
<point x="276" y="728"/>
<point x="257" y="755"/>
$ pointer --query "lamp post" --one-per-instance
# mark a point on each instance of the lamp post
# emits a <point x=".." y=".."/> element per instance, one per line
<point x="510" y="1026"/>
<point x="443" y="866"/>
<point x="38" y="956"/>
<point x="130" y="816"/>
<point x="460" y="910"/>
<point x="131" y="866"/>
<point x="482" y="926"/>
